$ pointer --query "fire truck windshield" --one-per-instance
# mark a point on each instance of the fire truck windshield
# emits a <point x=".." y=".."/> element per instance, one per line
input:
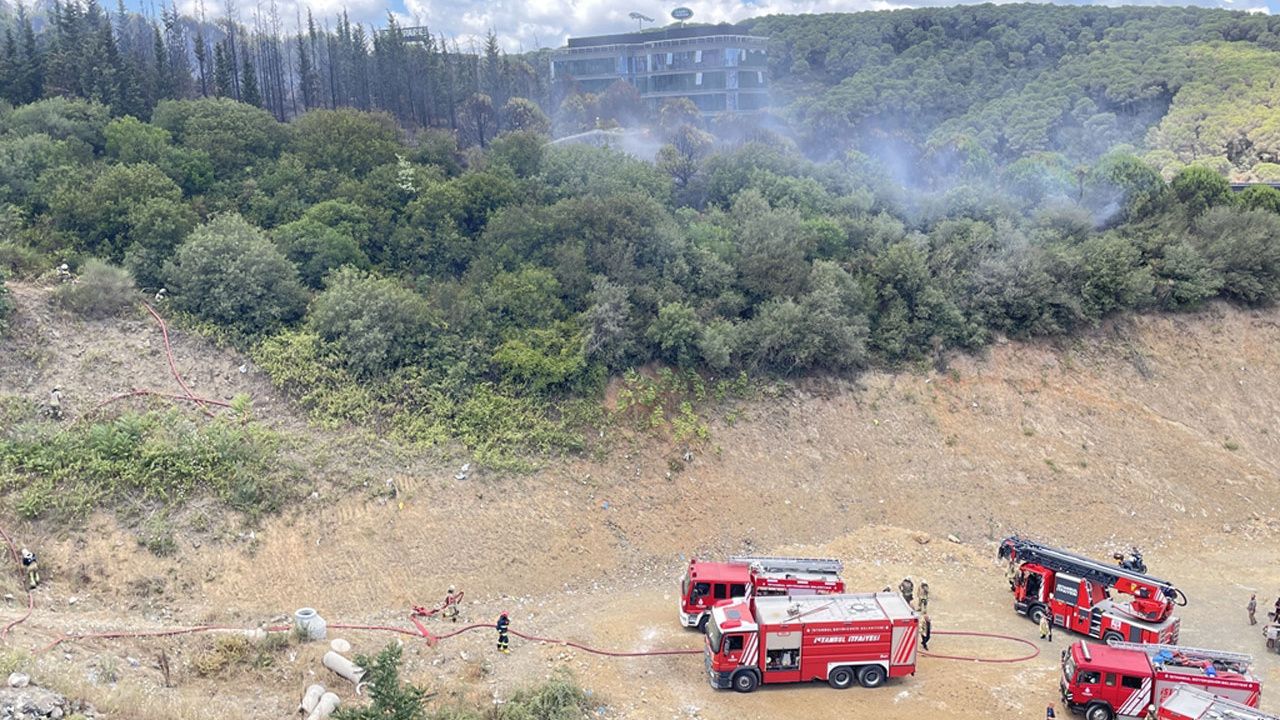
<point x="684" y="585"/>
<point x="1069" y="667"/>
<point x="714" y="635"/>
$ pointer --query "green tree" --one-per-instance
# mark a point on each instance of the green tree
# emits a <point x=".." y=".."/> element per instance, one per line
<point x="347" y="140"/>
<point x="317" y="249"/>
<point x="1198" y="188"/>
<point x="228" y="271"/>
<point x="249" y="92"/>
<point x="675" y="331"/>
<point x="389" y="697"/>
<point x="1243" y="248"/>
<point x="376" y="324"/>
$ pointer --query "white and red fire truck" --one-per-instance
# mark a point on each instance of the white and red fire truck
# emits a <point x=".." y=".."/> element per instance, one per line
<point x="1192" y="703"/>
<point x="1123" y="679"/>
<point x="707" y="583"/>
<point x="842" y="639"/>
<point x="1075" y="592"/>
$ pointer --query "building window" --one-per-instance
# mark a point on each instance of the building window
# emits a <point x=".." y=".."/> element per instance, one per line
<point x="697" y="79"/>
<point x="697" y="56"/>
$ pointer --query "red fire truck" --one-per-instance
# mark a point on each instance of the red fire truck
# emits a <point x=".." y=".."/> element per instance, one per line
<point x="1192" y="703"/>
<point x="842" y="639"/>
<point x="1075" y="592"/>
<point x="707" y="583"/>
<point x="1123" y="679"/>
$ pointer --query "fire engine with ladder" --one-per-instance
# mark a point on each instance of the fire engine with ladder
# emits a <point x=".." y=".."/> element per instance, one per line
<point x="842" y="639"/>
<point x="707" y="583"/>
<point x="1192" y="703"/>
<point x="1075" y="592"/>
<point x="1124" y="679"/>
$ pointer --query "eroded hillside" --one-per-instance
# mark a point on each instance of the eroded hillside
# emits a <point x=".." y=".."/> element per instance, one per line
<point x="1158" y="431"/>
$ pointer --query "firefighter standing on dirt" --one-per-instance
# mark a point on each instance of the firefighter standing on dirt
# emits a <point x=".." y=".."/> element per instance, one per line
<point x="1046" y="627"/>
<point x="926" y="631"/>
<point x="924" y="597"/>
<point x="504" y="642"/>
<point x="451" y="605"/>
<point x="907" y="588"/>
<point x="1252" y="607"/>
<point x="33" y="570"/>
<point x="55" y="403"/>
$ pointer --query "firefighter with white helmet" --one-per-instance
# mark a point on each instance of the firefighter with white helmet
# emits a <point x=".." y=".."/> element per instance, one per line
<point x="451" y="603"/>
<point x="55" y="402"/>
<point x="33" y="570"/>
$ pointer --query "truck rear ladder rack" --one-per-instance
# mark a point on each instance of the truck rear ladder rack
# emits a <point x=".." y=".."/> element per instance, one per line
<point x="1189" y="652"/>
<point x="826" y="566"/>
<point x="1223" y="708"/>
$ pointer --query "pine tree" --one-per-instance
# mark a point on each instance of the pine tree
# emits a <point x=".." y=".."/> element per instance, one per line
<point x="249" y="93"/>
<point x="306" y="74"/>
<point x="221" y="71"/>
<point x="30" y="86"/>
<point x="164" y="79"/>
<point x="9" y="66"/>
<point x="202" y="61"/>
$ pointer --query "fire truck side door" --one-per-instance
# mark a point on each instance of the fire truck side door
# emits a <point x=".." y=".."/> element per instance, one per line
<point x="782" y="656"/>
<point x="733" y="645"/>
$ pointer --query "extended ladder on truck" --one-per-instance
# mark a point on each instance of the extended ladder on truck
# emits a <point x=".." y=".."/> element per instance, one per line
<point x="1182" y="655"/>
<point x="820" y="566"/>
<point x="1106" y="574"/>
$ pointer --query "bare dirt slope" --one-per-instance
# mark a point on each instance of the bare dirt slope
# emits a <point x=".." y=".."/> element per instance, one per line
<point x="1159" y="431"/>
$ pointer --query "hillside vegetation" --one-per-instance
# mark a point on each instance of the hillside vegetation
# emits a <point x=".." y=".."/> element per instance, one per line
<point x="482" y="287"/>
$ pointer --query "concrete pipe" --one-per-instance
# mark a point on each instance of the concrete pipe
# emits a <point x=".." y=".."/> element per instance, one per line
<point x="345" y="669"/>
<point x="310" y="699"/>
<point x="328" y="703"/>
<point x="308" y="621"/>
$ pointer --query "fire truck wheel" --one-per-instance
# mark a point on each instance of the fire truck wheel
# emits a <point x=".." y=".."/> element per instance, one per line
<point x="841" y="678"/>
<point x="871" y="676"/>
<point x="745" y="681"/>
<point x="1098" y="711"/>
<point x="702" y="624"/>
<point x="1110" y="637"/>
<point x="1035" y="613"/>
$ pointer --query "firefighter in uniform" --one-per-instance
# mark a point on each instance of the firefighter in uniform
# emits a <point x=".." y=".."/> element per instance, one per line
<point x="1252" y="607"/>
<point x="33" y="570"/>
<point x="926" y="631"/>
<point x="451" y="604"/>
<point x="1046" y="627"/>
<point x="907" y="588"/>
<point x="504" y="642"/>
<point x="55" y="403"/>
<point x="1011" y="574"/>
<point x="1151" y="713"/>
<point x="924" y="597"/>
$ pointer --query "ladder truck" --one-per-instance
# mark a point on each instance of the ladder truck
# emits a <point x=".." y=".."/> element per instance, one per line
<point x="1122" y="680"/>
<point x="1075" y="593"/>
<point x="707" y="583"/>
<point x="1191" y="703"/>
<point x="862" y="639"/>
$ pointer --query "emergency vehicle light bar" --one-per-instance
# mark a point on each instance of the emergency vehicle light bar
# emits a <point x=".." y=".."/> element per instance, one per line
<point x="827" y="566"/>
<point x="1192" y="653"/>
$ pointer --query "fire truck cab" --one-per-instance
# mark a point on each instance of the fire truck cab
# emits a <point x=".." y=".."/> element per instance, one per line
<point x="841" y="639"/>
<point x="706" y="583"/>
<point x="1122" y="680"/>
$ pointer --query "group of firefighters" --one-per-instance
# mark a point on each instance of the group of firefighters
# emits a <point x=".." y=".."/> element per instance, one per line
<point x="908" y="590"/>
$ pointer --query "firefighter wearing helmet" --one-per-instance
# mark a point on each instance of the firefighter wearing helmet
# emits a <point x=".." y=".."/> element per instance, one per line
<point x="33" y="570"/>
<point x="504" y="642"/>
<point x="907" y="588"/>
<point x="923" y="597"/>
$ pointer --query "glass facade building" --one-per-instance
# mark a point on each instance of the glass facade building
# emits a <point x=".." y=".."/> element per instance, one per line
<point x="719" y="67"/>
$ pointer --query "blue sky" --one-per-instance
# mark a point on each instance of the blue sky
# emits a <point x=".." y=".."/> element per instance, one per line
<point x="528" y="24"/>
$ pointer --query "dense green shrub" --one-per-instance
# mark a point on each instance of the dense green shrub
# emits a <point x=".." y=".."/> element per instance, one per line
<point x="374" y="323"/>
<point x="228" y="271"/>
